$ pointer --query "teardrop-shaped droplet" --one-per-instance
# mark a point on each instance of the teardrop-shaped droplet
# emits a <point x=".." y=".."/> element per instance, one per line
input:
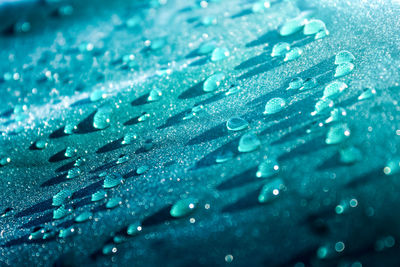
<point x="70" y="152"/>
<point x="275" y="105"/>
<point x="322" y="105"/>
<point x="118" y="239"/>
<point x="79" y="162"/>
<point x="129" y="138"/>
<point x="260" y="6"/>
<point x="109" y="249"/>
<point x="309" y="83"/>
<point x="4" y="161"/>
<point x="322" y="34"/>
<point x="271" y="191"/>
<point x="113" y="202"/>
<point x="267" y="168"/>
<point x="350" y="155"/>
<point x="133" y="229"/>
<point x="337" y="114"/>
<point x="97" y="95"/>
<point x="112" y="180"/>
<point x="295" y="83"/>
<point x="194" y="112"/>
<point x="344" y="69"/>
<point x="41" y="144"/>
<point x="233" y="90"/>
<point x="142" y="169"/>
<point x="64" y="233"/>
<point x="73" y="173"/>
<point x="344" y="57"/>
<point x="314" y="26"/>
<point x="213" y="82"/>
<point x="37" y="233"/>
<point x="219" y="53"/>
<point x="154" y="95"/>
<point x="280" y="49"/>
<point x="392" y="166"/>
<point x="207" y="47"/>
<point x="183" y="207"/>
<point x="84" y="216"/>
<point x="249" y="142"/>
<point x="157" y="44"/>
<point x="292" y="26"/>
<point x="293" y="54"/>
<point x="123" y="159"/>
<point x="99" y="195"/>
<point x="70" y="128"/>
<point x="236" y="124"/>
<point x="367" y="93"/>
<point x="61" y="197"/>
<point x="102" y="118"/>
<point x="144" y="117"/>
<point x="334" y="89"/>
<point x="61" y="212"/>
<point x="337" y="134"/>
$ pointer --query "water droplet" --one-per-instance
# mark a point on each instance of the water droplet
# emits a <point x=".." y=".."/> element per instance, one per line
<point x="293" y="54"/>
<point x="207" y="48"/>
<point x="7" y="212"/>
<point x="129" y="138"/>
<point x="154" y="95"/>
<point x="109" y="249"/>
<point x="344" y="57"/>
<point x="194" y="112"/>
<point x="270" y="191"/>
<point x="267" y="168"/>
<point x="97" y="95"/>
<point x="337" y="134"/>
<point x="213" y="82"/>
<point x="142" y="169"/>
<point x="4" y="161"/>
<point x="224" y="156"/>
<point x="280" y="49"/>
<point x="99" y="195"/>
<point x="64" y="233"/>
<point x="123" y="159"/>
<point x="249" y="142"/>
<point x="183" y="207"/>
<point x="60" y="213"/>
<point x="41" y="144"/>
<point x="73" y="173"/>
<point x="37" y="233"/>
<point x="343" y="69"/>
<point x="79" y="162"/>
<point x="314" y="26"/>
<point x="70" y="128"/>
<point x="236" y="124"/>
<point x="157" y="44"/>
<point x="350" y="155"/>
<point x="118" y="239"/>
<point x="322" y="105"/>
<point x="275" y="105"/>
<point x="113" y="202"/>
<point x="84" y="216"/>
<point x="292" y="26"/>
<point x="392" y="166"/>
<point x="295" y="83"/>
<point x="209" y="20"/>
<point x="260" y="6"/>
<point x="368" y="93"/>
<point x="144" y="117"/>
<point x="112" y="180"/>
<point x="334" y="89"/>
<point x="70" y="152"/>
<point x="101" y="119"/>
<point x="337" y="114"/>
<point x="219" y="53"/>
<point x="322" y="34"/>
<point x="233" y="90"/>
<point x="309" y="83"/>
<point x="61" y="197"/>
<point x="133" y="229"/>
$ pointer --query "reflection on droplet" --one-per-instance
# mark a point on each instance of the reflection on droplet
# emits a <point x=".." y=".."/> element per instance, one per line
<point x="133" y="229"/>
<point x="260" y="6"/>
<point x="236" y="124"/>
<point x="392" y="166"/>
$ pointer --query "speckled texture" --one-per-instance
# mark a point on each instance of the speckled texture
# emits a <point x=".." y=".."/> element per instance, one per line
<point x="228" y="220"/>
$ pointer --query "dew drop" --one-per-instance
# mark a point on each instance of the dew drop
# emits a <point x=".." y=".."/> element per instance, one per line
<point x="322" y="105"/>
<point x="368" y="93"/>
<point x="267" y="168"/>
<point x="337" y="114"/>
<point x="392" y="166"/>
<point x="134" y="229"/>
<point x="293" y="54"/>
<point x="70" y="128"/>
<point x="99" y="195"/>
<point x="343" y="69"/>
<point x="224" y="156"/>
<point x="122" y="159"/>
<point x="219" y="53"/>
<point x="260" y="6"/>
<point x="207" y="47"/>
<point x="41" y="144"/>
<point x="344" y="57"/>
<point x="61" y="197"/>
<point x="70" y="152"/>
<point x="112" y="180"/>
<point x="113" y="202"/>
<point x="109" y="249"/>
<point x="65" y="233"/>
<point x="144" y="117"/>
<point x="337" y="134"/>
<point x="84" y="216"/>
<point x="60" y="213"/>
<point x="334" y="89"/>
<point x="275" y="105"/>
<point x="183" y="207"/>
<point x="142" y="169"/>
<point x="314" y="26"/>
<point x="79" y="162"/>
<point x="236" y="124"/>
<point x="270" y="191"/>
<point x="97" y="95"/>
<point x="73" y="173"/>
<point x="129" y="138"/>
<point x="292" y="26"/>
<point x="295" y="83"/>
<point x="209" y="20"/>
<point x="280" y="49"/>
<point x="4" y="161"/>
<point x="249" y="142"/>
<point x="101" y="119"/>
<point x="309" y="83"/>
<point x="213" y="82"/>
<point x="350" y="155"/>
<point x="154" y="95"/>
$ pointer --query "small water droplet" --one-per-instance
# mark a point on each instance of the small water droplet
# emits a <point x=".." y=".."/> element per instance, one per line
<point x="350" y="155"/>
<point x="392" y="166"/>
<point x="275" y="105"/>
<point x="293" y="54"/>
<point x="209" y="20"/>
<point x="41" y="144"/>
<point x="213" y="82"/>
<point x="194" y="112"/>
<point x="260" y="6"/>
<point x="207" y="47"/>
<point x="144" y="117"/>
<point x="123" y="159"/>
<point x="142" y="169"/>
<point x="334" y="89"/>
<point x="314" y="26"/>
<point x="118" y="239"/>
<point x="73" y="173"/>
<point x="344" y="57"/>
<point x="4" y="161"/>
<point x="224" y="156"/>
<point x="344" y="69"/>
<point x="70" y="152"/>
<point x="129" y="138"/>
<point x="220" y="53"/>
<point x="37" y="233"/>
<point x="99" y="195"/>
<point x="183" y="207"/>
<point x="97" y="95"/>
<point x="64" y="233"/>
<point x="61" y="197"/>
<point x="337" y="114"/>
<point x="112" y="180"/>
<point x="113" y="202"/>
<point x="249" y="142"/>
<point x="154" y="95"/>
<point x="337" y="134"/>
<point x="280" y="49"/>
<point x="270" y="191"/>
<point x="79" y="162"/>
<point x="233" y="90"/>
<point x="109" y="249"/>
<point x="367" y="93"/>
<point x="322" y="105"/>
<point x="236" y="124"/>
<point x="102" y="118"/>
<point x="133" y="229"/>
<point x="70" y="128"/>
<point x="309" y="83"/>
<point x="295" y="83"/>
<point x="61" y="212"/>
<point x="322" y="34"/>
<point x="267" y="168"/>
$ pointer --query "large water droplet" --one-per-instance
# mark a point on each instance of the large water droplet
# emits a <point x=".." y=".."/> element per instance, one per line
<point x="213" y="82"/>
<point x="219" y="53"/>
<point x="267" y="168"/>
<point x="344" y="57"/>
<point x="112" y="180"/>
<point x="270" y="191"/>
<point x="280" y="49"/>
<point x="343" y="69"/>
<point x="293" y="54"/>
<point x="154" y="95"/>
<point x="275" y="105"/>
<point x="236" y="124"/>
<point x="249" y="142"/>
<point x="102" y="118"/>
<point x="334" y="89"/>
<point x="183" y="207"/>
<point x="61" y="197"/>
<point x="337" y="134"/>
